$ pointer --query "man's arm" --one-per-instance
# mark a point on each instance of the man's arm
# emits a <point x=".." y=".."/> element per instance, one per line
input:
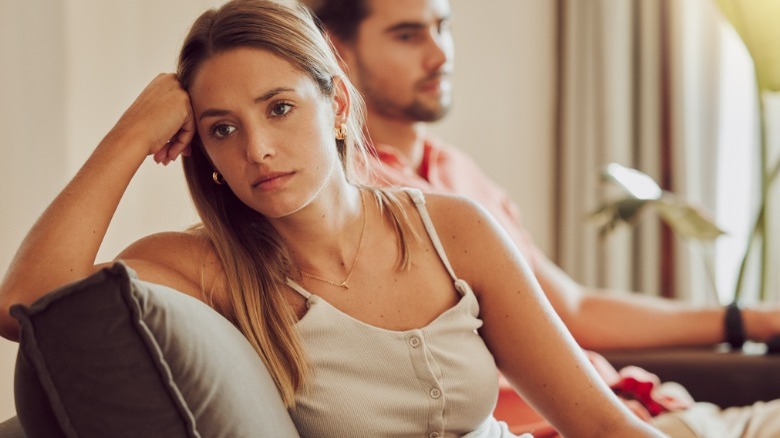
<point x="608" y="319"/>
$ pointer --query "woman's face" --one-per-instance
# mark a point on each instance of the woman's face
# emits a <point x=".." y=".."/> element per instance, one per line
<point x="267" y="128"/>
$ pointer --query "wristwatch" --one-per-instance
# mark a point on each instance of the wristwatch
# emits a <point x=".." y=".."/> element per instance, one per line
<point x="735" y="327"/>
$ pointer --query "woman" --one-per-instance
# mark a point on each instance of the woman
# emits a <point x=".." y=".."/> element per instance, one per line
<point x="364" y="304"/>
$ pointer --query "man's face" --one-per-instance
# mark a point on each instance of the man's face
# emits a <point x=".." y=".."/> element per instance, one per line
<point x="402" y="57"/>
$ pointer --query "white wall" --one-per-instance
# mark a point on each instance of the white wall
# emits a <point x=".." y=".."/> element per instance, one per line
<point x="503" y="109"/>
<point x="31" y="107"/>
<point x="68" y="70"/>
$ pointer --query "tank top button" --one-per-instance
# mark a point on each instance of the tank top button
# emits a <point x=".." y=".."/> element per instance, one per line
<point x="414" y="341"/>
<point x="435" y="393"/>
<point x="434" y="435"/>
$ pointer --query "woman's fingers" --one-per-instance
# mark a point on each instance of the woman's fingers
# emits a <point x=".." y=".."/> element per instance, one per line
<point x="181" y="142"/>
<point x="176" y="146"/>
<point x="164" y="113"/>
<point x="171" y="151"/>
<point x="161" y="115"/>
<point x="161" y="155"/>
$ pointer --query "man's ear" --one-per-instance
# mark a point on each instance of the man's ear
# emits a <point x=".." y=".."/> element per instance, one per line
<point x="341" y="99"/>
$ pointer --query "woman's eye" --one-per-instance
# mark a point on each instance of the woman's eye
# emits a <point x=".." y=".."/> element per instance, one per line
<point x="281" y="109"/>
<point x="222" y="131"/>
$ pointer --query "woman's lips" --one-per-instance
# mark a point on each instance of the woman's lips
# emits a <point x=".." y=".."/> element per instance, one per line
<point x="271" y="181"/>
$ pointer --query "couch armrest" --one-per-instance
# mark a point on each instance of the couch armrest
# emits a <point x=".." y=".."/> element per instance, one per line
<point x="11" y="428"/>
<point x="711" y="374"/>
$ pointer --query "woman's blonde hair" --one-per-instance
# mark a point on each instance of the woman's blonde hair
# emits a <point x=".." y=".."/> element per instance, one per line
<point x="254" y="257"/>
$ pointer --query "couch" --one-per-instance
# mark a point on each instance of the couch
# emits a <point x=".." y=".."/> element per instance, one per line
<point x="114" y="356"/>
<point x="711" y="374"/>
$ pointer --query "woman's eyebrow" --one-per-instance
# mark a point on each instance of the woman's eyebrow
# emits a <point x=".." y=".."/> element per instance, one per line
<point x="271" y="93"/>
<point x="215" y="112"/>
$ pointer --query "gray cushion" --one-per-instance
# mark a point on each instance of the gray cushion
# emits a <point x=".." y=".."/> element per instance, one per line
<point x="114" y="356"/>
<point x="11" y="428"/>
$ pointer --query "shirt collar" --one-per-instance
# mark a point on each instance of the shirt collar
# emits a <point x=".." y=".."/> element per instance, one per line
<point x="391" y="155"/>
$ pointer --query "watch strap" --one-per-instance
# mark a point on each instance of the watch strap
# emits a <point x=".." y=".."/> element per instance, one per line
<point x="734" y="325"/>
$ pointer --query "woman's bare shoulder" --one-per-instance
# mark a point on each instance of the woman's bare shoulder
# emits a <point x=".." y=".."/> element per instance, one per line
<point x="184" y="260"/>
<point x="435" y="201"/>
<point x="472" y="238"/>
<point x="450" y="213"/>
<point x="171" y="248"/>
<point x="454" y="210"/>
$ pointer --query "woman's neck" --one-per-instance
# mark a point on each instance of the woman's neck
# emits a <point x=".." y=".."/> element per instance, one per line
<point x="324" y="235"/>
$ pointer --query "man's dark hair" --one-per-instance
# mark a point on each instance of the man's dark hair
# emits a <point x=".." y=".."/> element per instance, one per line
<point x="341" y="18"/>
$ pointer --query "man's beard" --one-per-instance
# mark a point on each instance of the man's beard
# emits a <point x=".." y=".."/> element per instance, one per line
<point x="427" y="113"/>
<point x="417" y="110"/>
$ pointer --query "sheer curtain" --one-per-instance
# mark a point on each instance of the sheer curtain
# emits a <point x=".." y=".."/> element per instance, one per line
<point x="638" y="85"/>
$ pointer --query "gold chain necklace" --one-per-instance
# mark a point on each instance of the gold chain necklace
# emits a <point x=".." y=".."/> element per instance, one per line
<point x="357" y="254"/>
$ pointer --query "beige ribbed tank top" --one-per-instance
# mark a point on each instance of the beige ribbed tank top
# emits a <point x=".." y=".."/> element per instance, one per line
<point x="436" y="381"/>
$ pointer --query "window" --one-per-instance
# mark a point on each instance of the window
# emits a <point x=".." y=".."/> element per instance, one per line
<point x="737" y="160"/>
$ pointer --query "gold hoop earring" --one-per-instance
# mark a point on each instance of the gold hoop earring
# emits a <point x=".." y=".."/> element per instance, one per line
<point x="341" y="132"/>
<point x="217" y="177"/>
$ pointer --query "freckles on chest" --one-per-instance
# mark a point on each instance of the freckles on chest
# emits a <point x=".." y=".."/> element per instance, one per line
<point x="400" y="303"/>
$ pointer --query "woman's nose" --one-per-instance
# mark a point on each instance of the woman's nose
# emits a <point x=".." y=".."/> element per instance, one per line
<point x="259" y="147"/>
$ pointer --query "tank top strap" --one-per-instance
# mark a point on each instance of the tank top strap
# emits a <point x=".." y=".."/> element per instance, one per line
<point x="419" y="201"/>
<point x="298" y="288"/>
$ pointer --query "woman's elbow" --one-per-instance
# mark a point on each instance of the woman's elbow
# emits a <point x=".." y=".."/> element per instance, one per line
<point x="9" y="296"/>
<point x="9" y="326"/>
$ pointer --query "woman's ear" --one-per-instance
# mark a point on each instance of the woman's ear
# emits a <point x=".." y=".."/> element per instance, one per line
<point x="341" y="99"/>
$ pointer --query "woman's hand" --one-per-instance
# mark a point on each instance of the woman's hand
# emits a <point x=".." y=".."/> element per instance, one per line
<point x="161" y="118"/>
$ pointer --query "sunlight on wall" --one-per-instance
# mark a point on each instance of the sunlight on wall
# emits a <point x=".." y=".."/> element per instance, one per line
<point x="737" y="190"/>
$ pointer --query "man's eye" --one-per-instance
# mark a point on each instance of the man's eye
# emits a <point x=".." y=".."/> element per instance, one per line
<point x="444" y="26"/>
<point x="281" y="108"/>
<point x="407" y="36"/>
<point x="222" y="131"/>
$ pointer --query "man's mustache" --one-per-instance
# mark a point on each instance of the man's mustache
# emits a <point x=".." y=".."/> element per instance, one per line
<point x="435" y="76"/>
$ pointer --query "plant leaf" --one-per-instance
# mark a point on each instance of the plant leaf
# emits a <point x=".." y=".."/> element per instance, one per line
<point x="613" y="213"/>
<point x="636" y="183"/>
<point x="686" y="220"/>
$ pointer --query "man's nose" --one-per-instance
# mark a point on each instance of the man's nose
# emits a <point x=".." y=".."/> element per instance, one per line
<point x="439" y="49"/>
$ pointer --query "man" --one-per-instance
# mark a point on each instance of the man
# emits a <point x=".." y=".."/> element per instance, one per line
<point x="399" y="53"/>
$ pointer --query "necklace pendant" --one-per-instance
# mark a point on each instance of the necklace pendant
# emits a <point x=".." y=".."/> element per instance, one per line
<point x="354" y="261"/>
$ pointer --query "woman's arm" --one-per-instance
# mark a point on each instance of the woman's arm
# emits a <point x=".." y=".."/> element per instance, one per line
<point x="62" y="245"/>
<point x="530" y="344"/>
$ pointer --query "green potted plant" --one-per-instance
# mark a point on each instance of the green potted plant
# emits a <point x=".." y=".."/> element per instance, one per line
<point x="642" y="193"/>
